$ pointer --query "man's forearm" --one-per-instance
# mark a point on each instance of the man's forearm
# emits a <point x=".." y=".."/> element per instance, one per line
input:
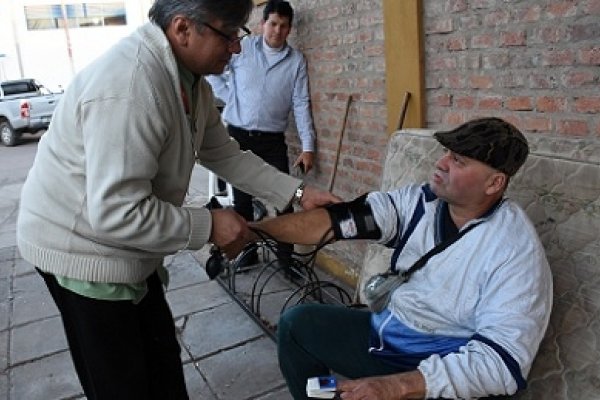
<point x="304" y="227"/>
<point x="401" y="386"/>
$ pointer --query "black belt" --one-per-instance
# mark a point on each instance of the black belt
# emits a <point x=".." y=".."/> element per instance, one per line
<point x="251" y="133"/>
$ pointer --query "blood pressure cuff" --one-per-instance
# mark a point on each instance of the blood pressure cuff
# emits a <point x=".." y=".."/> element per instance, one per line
<point x="353" y="220"/>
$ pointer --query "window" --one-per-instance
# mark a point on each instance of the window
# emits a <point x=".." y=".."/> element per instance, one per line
<point x="18" y="87"/>
<point x="80" y="15"/>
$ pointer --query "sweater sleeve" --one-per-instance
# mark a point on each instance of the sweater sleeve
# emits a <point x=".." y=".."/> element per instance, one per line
<point x="243" y="169"/>
<point x="121" y="161"/>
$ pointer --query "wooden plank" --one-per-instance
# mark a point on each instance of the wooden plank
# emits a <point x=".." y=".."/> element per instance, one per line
<point x="404" y="58"/>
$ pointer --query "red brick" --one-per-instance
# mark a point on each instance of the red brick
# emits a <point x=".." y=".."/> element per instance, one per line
<point x="592" y="7"/>
<point x="481" y="82"/>
<point x="443" y="63"/>
<point x="590" y="56"/>
<point x="454" y="118"/>
<point x="457" y="43"/>
<point x="365" y="36"/>
<point x="466" y="60"/>
<point x="370" y="97"/>
<point x="513" y="119"/>
<point x="328" y="13"/>
<point x="442" y="100"/>
<point x="588" y="105"/>
<point x="582" y="31"/>
<point x="455" y="81"/>
<point x="456" y="6"/>
<point x="374" y="50"/>
<point x="551" y="104"/>
<point x="511" y="81"/>
<point x="496" y="18"/>
<point x="434" y="116"/>
<point x="531" y="14"/>
<point x="470" y="22"/>
<point x="490" y="103"/>
<point x="433" y="82"/>
<point x="374" y="154"/>
<point x="549" y="34"/>
<point x="442" y="25"/>
<point x="572" y="127"/>
<point x="496" y="60"/>
<point x="513" y="39"/>
<point x="541" y="81"/>
<point x="482" y="41"/>
<point x="536" y="124"/>
<point x="466" y="102"/>
<point x="577" y="79"/>
<point x="561" y="9"/>
<point x="558" y="57"/>
<point x="520" y="103"/>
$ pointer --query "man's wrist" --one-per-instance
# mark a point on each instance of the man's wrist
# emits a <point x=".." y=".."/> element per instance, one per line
<point x="298" y="194"/>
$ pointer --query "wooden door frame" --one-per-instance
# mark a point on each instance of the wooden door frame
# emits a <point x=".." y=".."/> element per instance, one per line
<point x="404" y="60"/>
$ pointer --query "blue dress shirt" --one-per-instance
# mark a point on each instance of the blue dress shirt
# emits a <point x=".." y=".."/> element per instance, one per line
<point x="259" y="93"/>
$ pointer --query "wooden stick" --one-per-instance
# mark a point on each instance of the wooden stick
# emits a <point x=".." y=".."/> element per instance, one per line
<point x="403" y="109"/>
<point x="339" y="144"/>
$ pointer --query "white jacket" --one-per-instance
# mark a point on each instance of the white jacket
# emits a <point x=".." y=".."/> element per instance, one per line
<point x="492" y="289"/>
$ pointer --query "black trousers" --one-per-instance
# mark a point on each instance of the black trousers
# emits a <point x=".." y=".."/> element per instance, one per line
<point x="272" y="149"/>
<point x="122" y="350"/>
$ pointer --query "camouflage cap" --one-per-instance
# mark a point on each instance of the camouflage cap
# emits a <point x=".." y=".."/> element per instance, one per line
<point x="492" y="141"/>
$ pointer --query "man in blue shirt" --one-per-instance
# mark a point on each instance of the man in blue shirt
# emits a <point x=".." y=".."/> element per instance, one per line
<point x="263" y="83"/>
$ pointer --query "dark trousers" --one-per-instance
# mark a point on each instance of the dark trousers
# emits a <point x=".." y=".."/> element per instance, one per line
<point x="315" y="339"/>
<point x="272" y="149"/>
<point x="122" y="350"/>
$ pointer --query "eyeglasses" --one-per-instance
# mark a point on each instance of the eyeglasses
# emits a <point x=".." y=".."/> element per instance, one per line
<point x="230" y="40"/>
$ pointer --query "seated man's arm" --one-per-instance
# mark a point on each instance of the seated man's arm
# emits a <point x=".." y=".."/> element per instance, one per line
<point x="304" y="227"/>
<point x="406" y="385"/>
<point x="344" y="220"/>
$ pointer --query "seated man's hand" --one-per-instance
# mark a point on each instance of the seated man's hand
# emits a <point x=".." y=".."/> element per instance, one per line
<point x="406" y="385"/>
<point x="229" y="232"/>
<point x="313" y="198"/>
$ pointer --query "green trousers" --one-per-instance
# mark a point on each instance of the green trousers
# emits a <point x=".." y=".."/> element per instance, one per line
<point x="316" y="339"/>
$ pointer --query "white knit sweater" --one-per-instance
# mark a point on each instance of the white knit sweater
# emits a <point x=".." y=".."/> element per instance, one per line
<point x="103" y="200"/>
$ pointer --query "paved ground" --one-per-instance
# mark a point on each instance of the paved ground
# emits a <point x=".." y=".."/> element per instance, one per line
<point x="226" y="355"/>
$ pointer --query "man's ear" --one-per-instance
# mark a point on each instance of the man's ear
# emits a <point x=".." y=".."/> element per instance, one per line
<point x="496" y="183"/>
<point x="179" y="30"/>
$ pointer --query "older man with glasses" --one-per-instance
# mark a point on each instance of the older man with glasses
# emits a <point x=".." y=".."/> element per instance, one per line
<point x="263" y="83"/>
<point x="103" y="202"/>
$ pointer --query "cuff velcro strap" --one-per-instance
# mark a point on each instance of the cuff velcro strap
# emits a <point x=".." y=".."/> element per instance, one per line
<point x="353" y="220"/>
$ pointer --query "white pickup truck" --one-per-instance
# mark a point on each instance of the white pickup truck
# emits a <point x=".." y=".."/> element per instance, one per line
<point x="25" y="106"/>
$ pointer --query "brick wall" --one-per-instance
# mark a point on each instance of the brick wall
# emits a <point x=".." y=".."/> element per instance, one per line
<point x="535" y="63"/>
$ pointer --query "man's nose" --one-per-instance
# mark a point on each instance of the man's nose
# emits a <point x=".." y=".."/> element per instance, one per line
<point x="442" y="162"/>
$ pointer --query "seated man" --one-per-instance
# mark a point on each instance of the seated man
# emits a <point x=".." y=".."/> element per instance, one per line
<point x="465" y="323"/>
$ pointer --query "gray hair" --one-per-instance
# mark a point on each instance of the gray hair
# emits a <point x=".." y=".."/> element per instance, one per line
<point x="233" y="13"/>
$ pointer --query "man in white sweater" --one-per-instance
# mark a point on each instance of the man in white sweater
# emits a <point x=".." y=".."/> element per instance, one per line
<point x="469" y="292"/>
<point x="103" y="202"/>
